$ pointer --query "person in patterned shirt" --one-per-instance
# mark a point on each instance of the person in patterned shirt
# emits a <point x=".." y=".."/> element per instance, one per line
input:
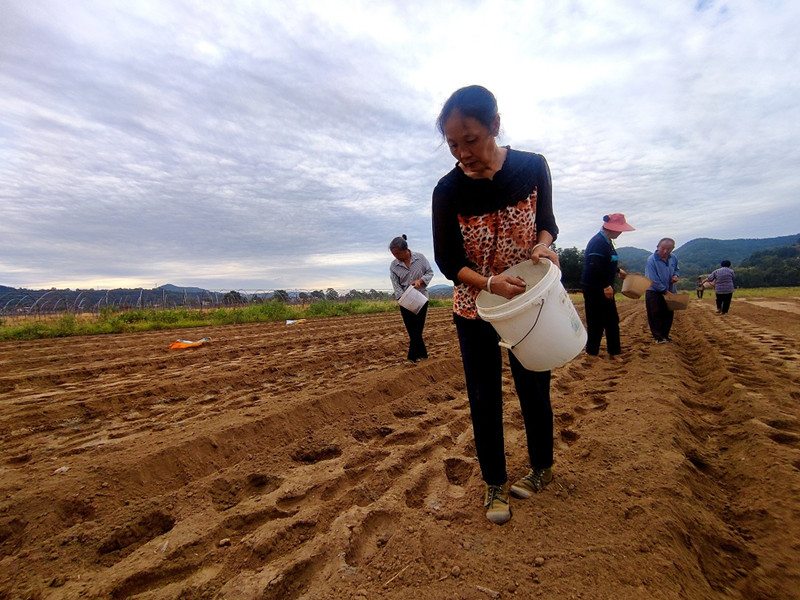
<point x="492" y="211"/>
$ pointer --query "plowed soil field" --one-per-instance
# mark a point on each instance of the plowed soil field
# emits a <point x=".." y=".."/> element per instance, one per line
<point x="311" y="461"/>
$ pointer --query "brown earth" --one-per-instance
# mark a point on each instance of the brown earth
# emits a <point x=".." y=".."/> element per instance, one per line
<point x="311" y="461"/>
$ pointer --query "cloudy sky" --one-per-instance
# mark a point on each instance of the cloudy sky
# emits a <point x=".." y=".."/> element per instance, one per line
<point x="257" y="145"/>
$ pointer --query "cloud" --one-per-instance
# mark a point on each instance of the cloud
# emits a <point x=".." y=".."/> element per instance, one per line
<point x="279" y="145"/>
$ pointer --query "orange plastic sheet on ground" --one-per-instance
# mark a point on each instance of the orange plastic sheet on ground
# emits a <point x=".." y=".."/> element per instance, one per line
<point x="187" y="344"/>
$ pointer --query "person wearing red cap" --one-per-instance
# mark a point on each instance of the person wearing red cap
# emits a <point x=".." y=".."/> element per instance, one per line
<point x="600" y="268"/>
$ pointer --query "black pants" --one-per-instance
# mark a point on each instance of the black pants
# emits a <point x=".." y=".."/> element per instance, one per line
<point x="415" y="323"/>
<point x="601" y="316"/>
<point x="483" y="368"/>
<point x="659" y="316"/>
<point x="724" y="302"/>
<point x="700" y="292"/>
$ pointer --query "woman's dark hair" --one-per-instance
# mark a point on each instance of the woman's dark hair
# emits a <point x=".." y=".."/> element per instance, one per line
<point x="726" y="263"/>
<point x="472" y="101"/>
<point x="399" y="243"/>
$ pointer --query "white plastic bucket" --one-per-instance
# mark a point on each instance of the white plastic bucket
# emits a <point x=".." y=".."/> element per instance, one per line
<point x="412" y="299"/>
<point x="540" y="326"/>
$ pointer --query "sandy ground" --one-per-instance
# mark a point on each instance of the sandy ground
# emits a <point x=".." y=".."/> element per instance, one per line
<point x="310" y="461"/>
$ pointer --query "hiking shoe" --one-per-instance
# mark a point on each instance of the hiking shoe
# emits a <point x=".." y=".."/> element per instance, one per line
<point x="532" y="483"/>
<point x="498" y="510"/>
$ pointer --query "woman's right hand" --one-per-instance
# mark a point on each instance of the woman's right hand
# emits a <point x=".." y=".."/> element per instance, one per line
<point x="508" y="286"/>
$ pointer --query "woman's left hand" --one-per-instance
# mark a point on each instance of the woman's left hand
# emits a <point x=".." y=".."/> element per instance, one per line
<point x="542" y="251"/>
<point x="417" y="283"/>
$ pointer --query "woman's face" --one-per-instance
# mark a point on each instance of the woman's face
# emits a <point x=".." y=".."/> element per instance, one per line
<point x="401" y="254"/>
<point x="471" y="142"/>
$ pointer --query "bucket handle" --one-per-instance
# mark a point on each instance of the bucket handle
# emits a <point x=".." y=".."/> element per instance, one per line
<point x="502" y="343"/>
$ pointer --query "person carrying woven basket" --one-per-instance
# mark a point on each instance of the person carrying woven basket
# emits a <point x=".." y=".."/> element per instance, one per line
<point x="662" y="270"/>
<point x="600" y="269"/>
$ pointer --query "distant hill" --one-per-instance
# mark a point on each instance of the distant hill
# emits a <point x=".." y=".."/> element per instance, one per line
<point x="705" y="254"/>
<point x="632" y="259"/>
<point x="441" y="291"/>
<point x="174" y="288"/>
<point x="702" y="255"/>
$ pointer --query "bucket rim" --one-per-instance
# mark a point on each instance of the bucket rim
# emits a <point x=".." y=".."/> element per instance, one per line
<point x="522" y="301"/>
<point x="636" y="284"/>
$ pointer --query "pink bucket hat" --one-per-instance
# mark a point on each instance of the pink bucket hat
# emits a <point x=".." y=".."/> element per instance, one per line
<point x="616" y="222"/>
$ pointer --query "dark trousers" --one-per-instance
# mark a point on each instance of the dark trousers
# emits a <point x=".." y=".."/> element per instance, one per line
<point x="700" y="292"/>
<point x="483" y="367"/>
<point x="415" y="323"/>
<point x="724" y="302"/>
<point x="601" y="316"/>
<point x="659" y="316"/>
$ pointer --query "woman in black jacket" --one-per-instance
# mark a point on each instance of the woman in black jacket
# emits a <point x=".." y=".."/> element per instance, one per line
<point x="492" y="211"/>
<point x="600" y="268"/>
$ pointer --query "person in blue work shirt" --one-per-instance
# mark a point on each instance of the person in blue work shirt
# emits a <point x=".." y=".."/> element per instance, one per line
<point x="662" y="270"/>
<point x="600" y="268"/>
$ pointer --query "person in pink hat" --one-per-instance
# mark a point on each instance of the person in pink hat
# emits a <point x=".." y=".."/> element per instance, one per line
<point x="600" y="269"/>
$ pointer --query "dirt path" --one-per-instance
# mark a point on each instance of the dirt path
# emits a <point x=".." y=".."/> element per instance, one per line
<point x="310" y="461"/>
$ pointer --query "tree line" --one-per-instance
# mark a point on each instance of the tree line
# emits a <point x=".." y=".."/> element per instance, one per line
<point x="775" y="267"/>
<point x="237" y="298"/>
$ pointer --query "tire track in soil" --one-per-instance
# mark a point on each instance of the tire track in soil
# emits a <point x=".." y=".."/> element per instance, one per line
<point x="736" y="405"/>
<point x="247" y="374"/>
<point x="719" y="519"/>
<point x="384" y="448"/>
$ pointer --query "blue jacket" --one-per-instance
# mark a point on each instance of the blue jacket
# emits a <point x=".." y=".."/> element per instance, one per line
<point x="660" y="272"/>
<point x="600" y="263"/>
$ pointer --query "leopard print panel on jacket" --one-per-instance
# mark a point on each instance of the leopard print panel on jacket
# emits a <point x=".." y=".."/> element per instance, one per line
<point x="495" y="242"/>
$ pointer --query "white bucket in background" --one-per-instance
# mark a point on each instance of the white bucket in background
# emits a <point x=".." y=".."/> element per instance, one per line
<point x="540" y="326"/>
<point x="412" y="299"/>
